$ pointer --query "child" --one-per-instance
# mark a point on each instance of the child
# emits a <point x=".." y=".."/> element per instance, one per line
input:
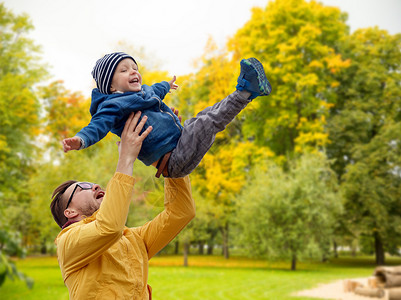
<point x="175" y="150"/>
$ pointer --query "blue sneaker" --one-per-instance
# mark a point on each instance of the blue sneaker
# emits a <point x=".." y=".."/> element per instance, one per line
<point x="253" y="78"/>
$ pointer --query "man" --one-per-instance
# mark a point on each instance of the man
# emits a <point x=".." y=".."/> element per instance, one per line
<point x="99" y="257"/>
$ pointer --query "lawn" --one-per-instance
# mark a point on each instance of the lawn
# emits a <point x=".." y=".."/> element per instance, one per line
<point x="206" y="278"/>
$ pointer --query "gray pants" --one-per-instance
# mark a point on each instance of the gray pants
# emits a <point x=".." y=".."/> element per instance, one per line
<point x="199" y="133"/>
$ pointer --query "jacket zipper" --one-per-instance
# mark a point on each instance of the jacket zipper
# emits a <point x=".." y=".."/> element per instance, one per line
<point x="166" y="112"/>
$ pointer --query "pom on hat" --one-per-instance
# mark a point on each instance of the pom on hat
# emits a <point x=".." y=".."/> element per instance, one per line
<point x="104" y="70"/>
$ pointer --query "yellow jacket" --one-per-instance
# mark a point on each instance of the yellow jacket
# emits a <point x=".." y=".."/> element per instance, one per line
<point x="100" y="258"/>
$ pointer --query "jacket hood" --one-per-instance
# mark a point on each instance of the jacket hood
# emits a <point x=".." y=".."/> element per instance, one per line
<point x="97" y="99"/>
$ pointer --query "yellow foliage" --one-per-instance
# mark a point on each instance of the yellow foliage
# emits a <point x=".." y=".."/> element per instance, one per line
<point x="310" y="141"/>
<point x="67" y="112"/>
<point x="226" y="169"/>
<point x="325" y="106"/>
<point x="292" y="39"/>
<point x="335" y="84"/>
<point x="311" y="134"/>
<point x="316" y="64"/>
<point x="336" y="64"/>
<point x="152" y="77"/>
<point x="308" y="80"/>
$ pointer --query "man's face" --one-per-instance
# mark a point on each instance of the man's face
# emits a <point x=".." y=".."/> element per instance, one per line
<point x="126" y="77"/>
<point x="84" y="201"/>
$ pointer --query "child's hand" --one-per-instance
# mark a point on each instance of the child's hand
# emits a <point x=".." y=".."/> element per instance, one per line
<point x="73" y="143"/>
<point x="173" y="86"/>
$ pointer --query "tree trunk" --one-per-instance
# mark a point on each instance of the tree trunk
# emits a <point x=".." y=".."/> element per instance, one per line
<point x="379" y="250"/>
<point x="43" y="249"/>
<point x="335" y="249"/>
<point x="294" y="262"/>
<point x="210" y="242"/>
<point x="210" y="247"/>
<point x="224" y="232"/>
<point x="177" y="247"/>
<point x="186" y="253"/>
<point x="201" y="246"/>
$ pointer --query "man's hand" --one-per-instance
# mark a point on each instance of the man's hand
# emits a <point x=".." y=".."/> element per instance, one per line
<point x="73" y="143"/>
<point x="177" y="113"/>
<point x="172" y="84"/>
<point x="131" y="142"/>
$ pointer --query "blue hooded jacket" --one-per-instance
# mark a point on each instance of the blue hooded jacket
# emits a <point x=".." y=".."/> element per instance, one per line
<point x="110" y="112"/>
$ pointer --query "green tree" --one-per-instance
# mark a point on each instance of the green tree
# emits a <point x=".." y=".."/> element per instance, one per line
<point x="290" y="214"/>
<point x="369" y="105"/>
<point x="369" y="93"/>
<point x="372" y="186"/>
<point x="20" y="72"/>
<point x="19" y="105"/>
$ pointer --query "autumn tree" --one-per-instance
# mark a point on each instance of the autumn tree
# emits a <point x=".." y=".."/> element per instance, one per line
<point x="224" y="170"/>
<point x="297" y="42"/>
<point x="66" y="113"/>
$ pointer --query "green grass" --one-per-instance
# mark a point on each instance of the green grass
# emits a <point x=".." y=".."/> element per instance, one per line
<point x="48" y="281"/>
<point x="205" y="278"/>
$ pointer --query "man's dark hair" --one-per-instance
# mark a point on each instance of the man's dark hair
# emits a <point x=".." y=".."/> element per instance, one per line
<point x="57" y="206"/>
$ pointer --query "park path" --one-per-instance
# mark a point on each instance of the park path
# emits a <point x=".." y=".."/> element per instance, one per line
<point x="335" y="290"/>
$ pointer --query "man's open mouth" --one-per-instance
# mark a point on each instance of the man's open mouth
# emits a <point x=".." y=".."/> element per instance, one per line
<point x="100" y="195"/>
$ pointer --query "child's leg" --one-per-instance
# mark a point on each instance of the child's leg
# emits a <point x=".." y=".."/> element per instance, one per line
<point x="199" y="133"/>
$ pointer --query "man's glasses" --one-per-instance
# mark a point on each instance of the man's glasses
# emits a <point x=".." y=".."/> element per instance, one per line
<point x="83" y="186"/>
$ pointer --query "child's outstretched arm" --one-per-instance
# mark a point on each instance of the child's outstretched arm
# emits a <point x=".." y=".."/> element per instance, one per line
<point x="163" y="88"/>
<point x="172" y="84"/>
<point x="73" y="143"/>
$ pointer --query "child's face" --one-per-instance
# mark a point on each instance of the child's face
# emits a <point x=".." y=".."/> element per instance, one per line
<point x="126" y="77"/>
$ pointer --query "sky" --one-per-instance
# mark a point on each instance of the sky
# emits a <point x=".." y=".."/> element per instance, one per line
<point x="73" y="34"/>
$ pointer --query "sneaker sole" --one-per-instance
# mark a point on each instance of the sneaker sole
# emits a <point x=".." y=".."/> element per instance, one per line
<point x="264" y="84"/>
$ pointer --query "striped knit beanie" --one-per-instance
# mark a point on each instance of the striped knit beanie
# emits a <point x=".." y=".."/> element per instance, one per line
<point x="104" y="70"/>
